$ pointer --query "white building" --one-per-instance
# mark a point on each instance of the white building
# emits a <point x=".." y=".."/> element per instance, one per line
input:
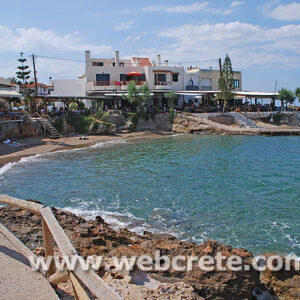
<point x="8" y="91"/>
<point x="109" y="77"/>
<point x="70" y="88"/>
<point x="206" y="81"/>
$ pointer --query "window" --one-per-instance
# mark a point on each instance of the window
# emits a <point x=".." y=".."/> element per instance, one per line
<point x="206" y="84"/>
<point x="102" y="79"/>
<point x="236" y="83"/>
<point x="160" y="79"/>
<point x="121" y="64"/>
<point x="175" y="77"/>
<point x="142" y="77"/>
<point x="123" y="77"/>
<point x="97" y="64"/>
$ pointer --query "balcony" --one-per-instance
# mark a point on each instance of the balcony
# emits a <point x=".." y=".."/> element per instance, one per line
<point x="109" y="85"/>
<point x="192" y="87"/>
<point x="206" y="88"/>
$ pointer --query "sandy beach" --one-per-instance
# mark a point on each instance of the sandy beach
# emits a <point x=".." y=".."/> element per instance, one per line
<point x="39" y="145"/>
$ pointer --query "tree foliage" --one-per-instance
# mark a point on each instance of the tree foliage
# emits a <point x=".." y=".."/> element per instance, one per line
<point x="226" y="86"/>
<point x="171" y="97"/>
<point x="297" y="93"/>
<point x="286" y="96"/>
<point x="137" y="96"/>
<point x="23" y="71"/>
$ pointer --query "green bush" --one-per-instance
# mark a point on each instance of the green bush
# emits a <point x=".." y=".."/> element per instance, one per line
<point x="59" y="124"/>
<point x="171" y="115"/>
<point x="106" y="124"/>
<point x="81" y="124"/>
<point x="277" y="118"/>
<point x="73" y="106"/>
<point x="95" y="126"/>
<point x="105" y="116"/>
<point x="134" y="118"/>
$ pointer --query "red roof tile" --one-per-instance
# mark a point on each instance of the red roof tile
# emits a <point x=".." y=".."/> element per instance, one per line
<point x="143" y="61"/>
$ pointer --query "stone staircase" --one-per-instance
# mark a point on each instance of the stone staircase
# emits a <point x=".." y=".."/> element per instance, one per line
<point x="48" y="127"/>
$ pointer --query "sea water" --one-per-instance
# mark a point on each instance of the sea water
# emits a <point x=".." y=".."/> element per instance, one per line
<point x="240" y="190"/>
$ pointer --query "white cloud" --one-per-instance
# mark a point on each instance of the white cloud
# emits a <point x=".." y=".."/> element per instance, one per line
<point x="247" y="44"/>
<point x="237" y="3"/>
<point x="36" y="40"/>
<point x="132" y="39"/>
<point x="196" y="6"/>
<point x="283" y="12"/>
<point x="190" y="8"/>
<point x="124" y="25"/>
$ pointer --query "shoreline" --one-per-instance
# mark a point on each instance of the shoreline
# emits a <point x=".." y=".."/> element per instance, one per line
<point x="42" y="145"/>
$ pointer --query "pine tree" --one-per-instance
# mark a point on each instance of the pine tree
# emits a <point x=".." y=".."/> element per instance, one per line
<point x="23" y="73"/>
<point x="226" y="86"/>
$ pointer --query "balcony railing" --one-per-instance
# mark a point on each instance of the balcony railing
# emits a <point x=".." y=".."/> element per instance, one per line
<point x="136" y="82"/>
<point x="162" y="83"/>
<point x="116" y="83"/>
<point x="206" y="88"/>
<point x="192" y="87"/>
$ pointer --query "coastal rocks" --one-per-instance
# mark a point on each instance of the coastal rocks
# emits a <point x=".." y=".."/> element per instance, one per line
<point x="184" y="123"/>
<point x="98" y="238"/>
<point x="160" y="122"/>
<point x="102" y="128"/>
<point x="129" y="126"/>
<point x="284" y="283"/>
<point x="213" y="284"/>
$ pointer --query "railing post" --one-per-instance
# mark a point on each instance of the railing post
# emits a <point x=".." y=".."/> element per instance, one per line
<point x="48" y="246"/>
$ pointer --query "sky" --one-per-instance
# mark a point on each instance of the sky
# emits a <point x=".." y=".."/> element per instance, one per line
<point x="262" y="38"/>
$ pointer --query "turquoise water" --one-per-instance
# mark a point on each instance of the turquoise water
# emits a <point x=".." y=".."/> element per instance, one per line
<point x="239" y="190"/>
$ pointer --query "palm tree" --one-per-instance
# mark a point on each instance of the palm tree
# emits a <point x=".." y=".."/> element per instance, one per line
<point x="286" y="95"/>
<point x="137" y="96"/>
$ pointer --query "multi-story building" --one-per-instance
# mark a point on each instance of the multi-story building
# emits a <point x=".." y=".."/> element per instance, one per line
<point x="201" y="85"/>
<point x="109" y="77"/>
<point x="42" y="89"/>
<point x="8" y="91"/>
<point x="208" y="79"/>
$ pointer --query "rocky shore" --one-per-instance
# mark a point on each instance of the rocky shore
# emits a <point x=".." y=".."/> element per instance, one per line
<point x="98" y="238"/>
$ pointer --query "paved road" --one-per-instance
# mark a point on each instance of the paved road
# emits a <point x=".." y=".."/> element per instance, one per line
<point x="17" y="280"/>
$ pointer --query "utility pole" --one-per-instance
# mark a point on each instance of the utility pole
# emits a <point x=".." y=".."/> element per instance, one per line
<point x="220" y="66"/>
<point x="34" y="73"/>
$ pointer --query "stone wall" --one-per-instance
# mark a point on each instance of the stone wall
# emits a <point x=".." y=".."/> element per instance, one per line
<point x="288" y="118"/>
<point x="226" y="120"/>
<point x="19" y="129"/>
<point x="161" y="122"/>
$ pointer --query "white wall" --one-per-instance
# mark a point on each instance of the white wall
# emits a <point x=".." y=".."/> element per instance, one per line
<point x="70" y="88"/>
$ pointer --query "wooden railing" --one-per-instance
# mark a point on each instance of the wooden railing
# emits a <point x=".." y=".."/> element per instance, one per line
<point x="84" y="282"/>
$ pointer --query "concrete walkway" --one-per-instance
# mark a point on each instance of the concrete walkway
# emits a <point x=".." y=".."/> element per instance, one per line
<point x="17" y="279"/>
<point x="245" y="130"/>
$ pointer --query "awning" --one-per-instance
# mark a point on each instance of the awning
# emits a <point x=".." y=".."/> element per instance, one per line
<point x="133" y="74"/>
<point x="120" y="94"/>
<point x="9" y="94"/>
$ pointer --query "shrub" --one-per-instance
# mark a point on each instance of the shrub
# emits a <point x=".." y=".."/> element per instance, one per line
<point x="59" y="124"/>
<point x="277" y="118"/>
<point x="95" y="126"/>
<point x="73" y="106"/>
<point x="81" y="124"/>
<point x="171" y="115"/>
<point x="133" y="118"/>
<point x="105" y="116"/>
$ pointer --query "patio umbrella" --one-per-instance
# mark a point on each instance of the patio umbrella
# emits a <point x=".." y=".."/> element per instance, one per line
<point x="133" y="74"/>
